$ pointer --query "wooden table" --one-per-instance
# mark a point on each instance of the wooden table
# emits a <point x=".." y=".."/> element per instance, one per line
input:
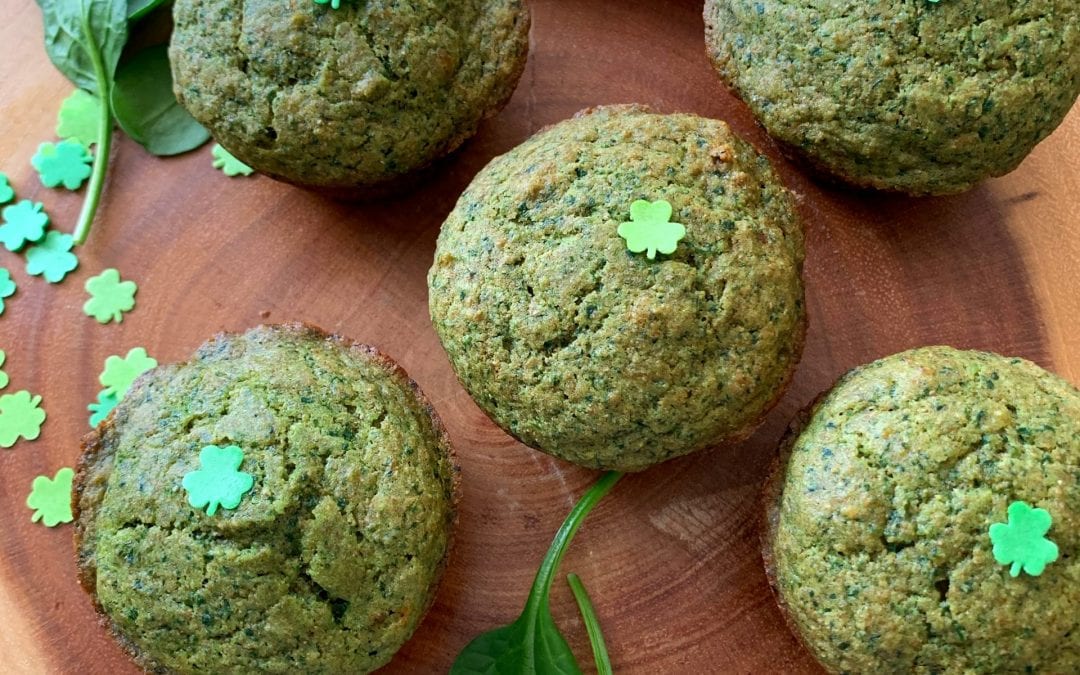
<point x="671" y="557"/>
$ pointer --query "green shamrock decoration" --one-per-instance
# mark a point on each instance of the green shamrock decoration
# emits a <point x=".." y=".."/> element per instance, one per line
<point x="100" y="409"/>
<point x="3" y="376"/>
<point x="109" y="297"/>
<point x="78" y="118"/>
<point x="1022" y="541"/>
<point x="229" y="165"/>
<point x="218" y="482"/>
<point x="7" y="287"/>
<point x="20" y="415"/>
<point x="6" y="193"/>
<point x="66" y="163"/>
<point x="51" y="498"/>
<point x="52" y="257"/>
<point x="23" y="222"/>
<point x="119" y="372"/>
<point x="333" y="3"/>
<point x="650" y="229"/>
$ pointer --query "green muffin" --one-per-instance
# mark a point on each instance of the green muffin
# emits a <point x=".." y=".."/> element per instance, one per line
<point x="604" y="357"/>
<point x="351" y="100"/>
<point x="879" y="513"/>
<point x="331" y="560"/>
<point x="916" y="96"/>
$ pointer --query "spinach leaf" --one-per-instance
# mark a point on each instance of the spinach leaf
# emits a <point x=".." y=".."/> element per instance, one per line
<point x="84" y="39"/>
<point x="533" y="644"/>
<point x="137" y="9"/>
<point x="592" y="625"/>
<point x="146" y="108"/>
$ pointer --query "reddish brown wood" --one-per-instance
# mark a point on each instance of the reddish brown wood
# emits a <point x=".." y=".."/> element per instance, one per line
<point x="671" y="557"/>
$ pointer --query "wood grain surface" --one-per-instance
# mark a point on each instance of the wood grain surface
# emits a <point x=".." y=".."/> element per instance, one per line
<point x="671" y="557"/>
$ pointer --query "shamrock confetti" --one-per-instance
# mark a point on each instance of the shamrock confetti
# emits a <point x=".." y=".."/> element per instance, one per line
<point x="1021" y="541"/>
<point x="52" y="257"/>
<point x="66" y="162"/>
<point x="100" y="409"/>
<point x="119" y="372"/>
<point x="7" y="287"/>
<point x="23" y="222"/>
<point x="218" y="482"/>
<point x="650" y="228"/>
<point x="3" y="375"/>
<point x="229" y="165"/>
<point x="20" y="415"/>
<point x="78" y="118"/>
<point x="109" y="297"/>
<point x="333" y="3"/>
<point x="6" y="193"/>
<point x="51" y="498"/>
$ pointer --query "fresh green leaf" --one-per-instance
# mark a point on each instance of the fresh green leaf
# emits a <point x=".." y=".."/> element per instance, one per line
<point x="532" y="644"/>
<point x="592" y="625"/>
<point x="137" y="9"/>
<point x="146" y="108"/>
<point x="78" y="118"/>
<point x="83" y="37"/>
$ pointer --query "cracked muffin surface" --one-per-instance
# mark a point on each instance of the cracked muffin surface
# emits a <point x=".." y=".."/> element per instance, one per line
<point x="354" y="97"/>
<point x="879" y="513"/>
<point x="914" y="96"/>
<point x="326" y="566"/>
<point x="601" y="356"/>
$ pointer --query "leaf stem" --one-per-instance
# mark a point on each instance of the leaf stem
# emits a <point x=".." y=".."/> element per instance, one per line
<point x="101" y="157"/>
<point x="592" y="625"/>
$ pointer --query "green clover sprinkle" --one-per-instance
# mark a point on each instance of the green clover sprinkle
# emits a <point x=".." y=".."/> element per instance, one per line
<point x="650" y="228"/>
<point x="218" y="482"/>
<point x="333" y="3"/>
<point x="78" y="118"/>
<point x="20" y="415"/>
<point x="1021" y="542"/>
<point x="7" y="287"/>
<point x="66" y="163"/>
<point x="52" y="257"/>
<point x="6" y="192"/>
<point x="3" y="376"/>
<point x="23" y="222"/>
<point x="109" y="297"/>
<point x="120" y="373"/>
<point x="51" y="498"/>
<point x="229" y="165"/>
<point x="100" y="409"/>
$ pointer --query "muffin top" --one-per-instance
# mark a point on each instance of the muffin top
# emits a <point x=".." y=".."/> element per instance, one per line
<point x="921" y="97"/>
<point x="601" y="356"/>
<point x="355" y="96"/>
<point x="327" y="564"/>
<point x="880" y="547"/>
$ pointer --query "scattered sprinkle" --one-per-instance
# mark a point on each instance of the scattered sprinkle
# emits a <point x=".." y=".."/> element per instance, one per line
<point x="52" y="257"/>
<point x="650" y="228"/>
<point x="3" y="376"/>
<point x="336" y="4"/>
<point x="1021" y="542"/>
<point x="120" y="372"/>
<point x="6" y="193"/>
<point x="7" y="287"/>
<point x="102" y="407"/>
<point x="78" y="118"/>
<point x="23" y="222"/>
<point x="109" y="297"/>
<point x="65" y="163"/>
<point x="229" y="165"/>
<point x="218" y="482"/>
<point x="51" y="498"/>
<point x="20" y="415"/>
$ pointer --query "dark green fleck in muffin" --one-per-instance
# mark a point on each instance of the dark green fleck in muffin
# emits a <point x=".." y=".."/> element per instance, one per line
<point x="330" y="561"/>
<point x="601" y="356"/>
<point x="916" y="96"/>
<point x="879" y="513"/>
<point x="350" y="100"/>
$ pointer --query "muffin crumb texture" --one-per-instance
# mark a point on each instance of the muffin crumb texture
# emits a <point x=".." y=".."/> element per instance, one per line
<point x="881" y="549"/>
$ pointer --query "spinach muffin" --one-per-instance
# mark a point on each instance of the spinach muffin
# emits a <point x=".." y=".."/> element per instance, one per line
<point x="877" y="541"/>
<point x="331" y="560"/>
<point x="350" y="100"/>
<point x="916" y="96"/>
<point x="601" y="356"/>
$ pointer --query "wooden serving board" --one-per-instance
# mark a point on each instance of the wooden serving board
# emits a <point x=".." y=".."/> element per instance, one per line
<point x="671" y="557"/>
